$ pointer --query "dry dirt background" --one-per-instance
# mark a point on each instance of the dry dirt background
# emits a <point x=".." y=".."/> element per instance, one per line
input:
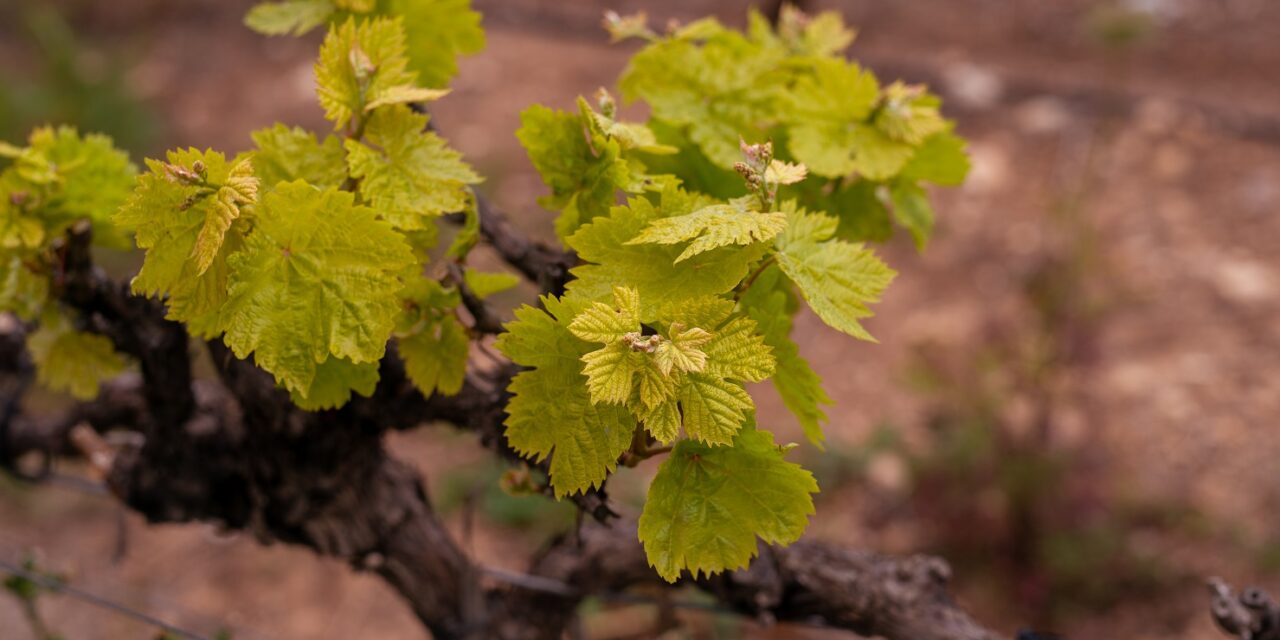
<point x="1166" y="153"/>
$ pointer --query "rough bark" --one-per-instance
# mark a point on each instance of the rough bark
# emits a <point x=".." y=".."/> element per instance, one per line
<point x="1251" y="615"/>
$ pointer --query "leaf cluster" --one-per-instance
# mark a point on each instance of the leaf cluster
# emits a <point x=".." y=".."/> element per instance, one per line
<point x="766" y="163"/>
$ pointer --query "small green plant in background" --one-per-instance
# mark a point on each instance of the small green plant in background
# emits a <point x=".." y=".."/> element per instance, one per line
<point x="1000" y="484"/>
<point x="507" y="497"/>
<point x="28" y="592"/>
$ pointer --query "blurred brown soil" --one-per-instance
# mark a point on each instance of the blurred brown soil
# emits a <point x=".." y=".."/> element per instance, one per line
<point x="1161" y="148"/>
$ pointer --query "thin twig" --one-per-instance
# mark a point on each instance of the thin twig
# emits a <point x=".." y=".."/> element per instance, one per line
<point x="55" y="586"/>
<point x="751" y="279"/>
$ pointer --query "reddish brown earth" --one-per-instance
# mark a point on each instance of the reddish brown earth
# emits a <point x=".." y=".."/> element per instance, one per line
<point x="1165" y="152"/>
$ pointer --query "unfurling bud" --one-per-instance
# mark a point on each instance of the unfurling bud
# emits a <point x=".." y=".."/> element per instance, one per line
<point x="622" y="27"/>
<point x="606" y="104"/>
<point x="17" y="198"/>
<point x="638" y="342"/>
<point x="792" y="23"/>
<point x="179" y="173"/>
<point x="758" y="155"/>
<point x="361" y="64"/>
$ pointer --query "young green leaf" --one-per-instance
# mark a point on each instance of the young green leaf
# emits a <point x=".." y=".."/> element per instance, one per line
<point x="601" y="322"/>
<point x="821" y="36"/>
<point x="720" y="90"/>
<point x="62" y="177"/>
<point x="836" y="278"/>
<point x="635" y="25"/>
<point x="23" y="292"/>
<point x="651" y="269"/>
<point x="317" y="278"/>
<point x="770" y="302"/>
<point x="550" y="413"/>
<point x="438" y="31"/>
<point x="285" y="155"/>
<point x="487" y="284"/>
<point x="912" y="210"/>
<point x="714" y="409"/>
<point x="827" y="108"/>
<point x="682" y="350"/>
<point x="585" y="172"/>
<point x="435" y="358"/>
<point x="170" y="210"/>
<point x="715" y="406"/>
<point x="73" y="361"/>
<point x="863" y="209"/>
<point x="877" y="156"/>
<point x="433" y="344"/>
<point x="708" y="505"/>
<point x="698" y="369"/>
<point x="610" y="369"/>
<point x="20" y="228"/>
<point x="940" y="159"/>
<point x="469" y="235"/>
<point x="333" y="383"/>
<point x="239" y="189"/>
<point x="717" y="225"/>
<point x="412" y="175"/>
<point x="362" y="66"/>
<point x="292" y="17"/>
<point x="908" y="114"/>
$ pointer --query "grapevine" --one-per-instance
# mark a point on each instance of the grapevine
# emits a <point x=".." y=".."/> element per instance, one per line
<point x="767" y="164"/>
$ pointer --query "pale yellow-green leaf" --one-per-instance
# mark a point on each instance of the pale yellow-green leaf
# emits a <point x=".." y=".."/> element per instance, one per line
<point x="335" y="380"/>
<point x="551" y="413"/>
<point x="681" y="350"/>
<point x="780" y="172"/>
<point x="285" y="155"/>
<point x="633" y="25"/>
<point x="409" y="175"/>
<point x="708" y="505"/>
<point x="22" y="291"/>
<point x="439" y="31"/>
<point x="876" y="155"/>
<point x="712" y="227"/>
<point x="609" y="372"/>
<point x="655" y="386"/>
<point x="73" y="361"/>
<point x="317" y="278"/>
<point x="484" y="284"/>
<point x="652" y="269"/>
<point x="59" y="178"/>
<point x="663" y="420"/>
<point x="405" y="94"/>
<point x="436" y="357"/>
<point x="838" y="279"/>
<point x="770" y="302"/>
<point x="294" y="17"/>
<point x="239" y="189"/>
<point x="168" y="216"/>
<point x="361" y="63"/>
<point x="601" y="322"/>
<point x="909" y="114"/>
<point x="714" y="408"/>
